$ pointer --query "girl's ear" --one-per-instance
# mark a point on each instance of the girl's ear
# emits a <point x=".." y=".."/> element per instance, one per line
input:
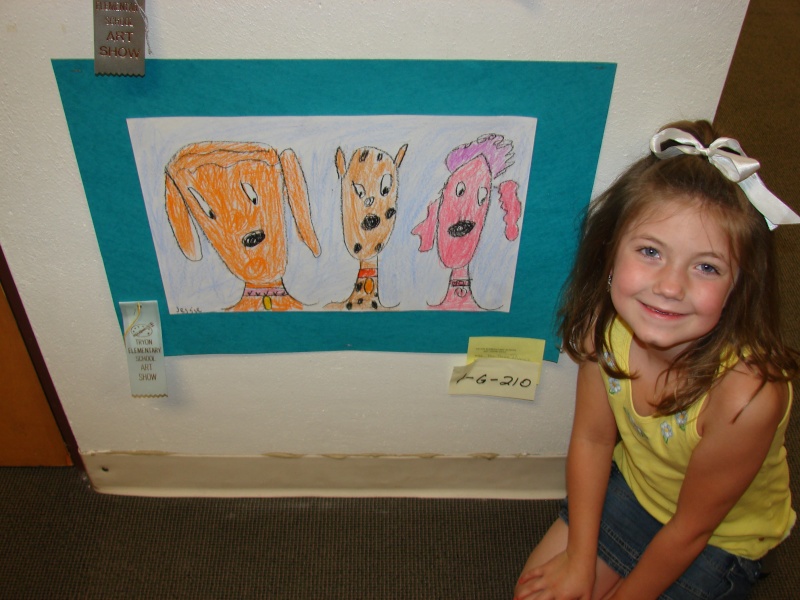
<point x="733" y="285"/>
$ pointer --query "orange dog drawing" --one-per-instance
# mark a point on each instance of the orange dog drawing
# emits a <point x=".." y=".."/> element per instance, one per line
<point x="234" y="192"/>
<point x="369" y="209"/>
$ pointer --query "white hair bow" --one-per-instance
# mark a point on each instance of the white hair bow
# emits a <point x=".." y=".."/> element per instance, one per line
<point x="727" y="155"/>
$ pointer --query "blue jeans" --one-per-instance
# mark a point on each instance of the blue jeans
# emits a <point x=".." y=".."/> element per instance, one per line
<point x="626" y="529"/>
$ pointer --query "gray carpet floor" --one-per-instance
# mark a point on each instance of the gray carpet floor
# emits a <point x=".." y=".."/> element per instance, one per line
<point x="59" y="539"/>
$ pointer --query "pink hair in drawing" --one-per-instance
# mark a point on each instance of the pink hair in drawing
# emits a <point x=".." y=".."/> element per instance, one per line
<point x="455" y="220"/>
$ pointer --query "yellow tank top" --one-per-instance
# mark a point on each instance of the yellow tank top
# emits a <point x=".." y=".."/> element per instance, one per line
<point x="654" y="452"/>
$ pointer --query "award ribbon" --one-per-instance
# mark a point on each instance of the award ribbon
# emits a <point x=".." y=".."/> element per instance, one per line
<point x="145" y="351"/>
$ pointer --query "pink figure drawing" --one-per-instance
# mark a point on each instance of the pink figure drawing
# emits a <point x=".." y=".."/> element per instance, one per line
<point x="456" y="219"/>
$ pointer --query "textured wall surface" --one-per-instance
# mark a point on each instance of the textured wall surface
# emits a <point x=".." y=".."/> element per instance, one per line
<point x="672" y="60"/>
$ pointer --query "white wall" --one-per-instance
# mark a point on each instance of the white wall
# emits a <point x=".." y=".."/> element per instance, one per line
<point x="672" y="60"/>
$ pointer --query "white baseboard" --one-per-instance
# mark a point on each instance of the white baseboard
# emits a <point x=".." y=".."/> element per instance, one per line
<point x="278" y="475"/>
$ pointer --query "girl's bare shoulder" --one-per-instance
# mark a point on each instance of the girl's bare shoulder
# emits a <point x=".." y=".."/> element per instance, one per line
<point x="742" y="394"/>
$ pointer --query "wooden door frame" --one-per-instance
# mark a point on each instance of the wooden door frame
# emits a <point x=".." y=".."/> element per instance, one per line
<point x="35" y="353"/>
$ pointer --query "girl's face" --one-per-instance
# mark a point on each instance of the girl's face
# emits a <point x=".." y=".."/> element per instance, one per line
<point x="673" y="272"/>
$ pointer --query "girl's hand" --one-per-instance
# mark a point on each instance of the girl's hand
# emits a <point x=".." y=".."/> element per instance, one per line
<point x="558" y="579"/>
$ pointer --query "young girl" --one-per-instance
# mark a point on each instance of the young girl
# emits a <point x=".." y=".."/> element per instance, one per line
<point x="683" y="391"/>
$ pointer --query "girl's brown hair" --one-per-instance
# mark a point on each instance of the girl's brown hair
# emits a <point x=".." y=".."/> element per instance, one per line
<point x="748" y="328"/>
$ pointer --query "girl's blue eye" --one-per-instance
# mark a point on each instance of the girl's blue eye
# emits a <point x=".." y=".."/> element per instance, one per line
<point x="709" y="269"/>
<point x="649" y="252"/>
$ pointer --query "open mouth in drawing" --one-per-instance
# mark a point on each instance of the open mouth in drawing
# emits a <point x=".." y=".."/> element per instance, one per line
<point x="460" y="229"/>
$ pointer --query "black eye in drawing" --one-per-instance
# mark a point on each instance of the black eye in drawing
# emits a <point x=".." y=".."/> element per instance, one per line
<point x="460" y="189"/>
<point x="386" y="184"/>
<point x="203" y="204"/>
<point x="483" y="193"/>
<point x="250" y="192"/>
<point x="359" y="189"/>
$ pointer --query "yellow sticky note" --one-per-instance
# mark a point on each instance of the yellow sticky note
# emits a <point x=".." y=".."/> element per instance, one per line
<point x="503" y="377"/>
<point x="525" y="349"/>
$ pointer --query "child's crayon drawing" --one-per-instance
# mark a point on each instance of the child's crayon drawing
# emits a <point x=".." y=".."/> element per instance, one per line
<point x="369" y="208"/>
<point x="234" y="194"/>
<point x="357" y="189"/>
<point x="456" y="219"/>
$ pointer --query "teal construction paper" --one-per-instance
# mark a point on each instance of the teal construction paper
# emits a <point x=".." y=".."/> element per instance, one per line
<point x="570" y="101"/>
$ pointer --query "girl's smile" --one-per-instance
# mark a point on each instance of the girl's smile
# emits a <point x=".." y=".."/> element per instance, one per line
<point x="662" y="313"/>
<point x="672" y="274"/>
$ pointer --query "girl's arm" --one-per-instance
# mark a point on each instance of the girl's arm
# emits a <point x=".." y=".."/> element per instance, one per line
<point x="737" y="435"/>
<point x="571" y="574"/>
